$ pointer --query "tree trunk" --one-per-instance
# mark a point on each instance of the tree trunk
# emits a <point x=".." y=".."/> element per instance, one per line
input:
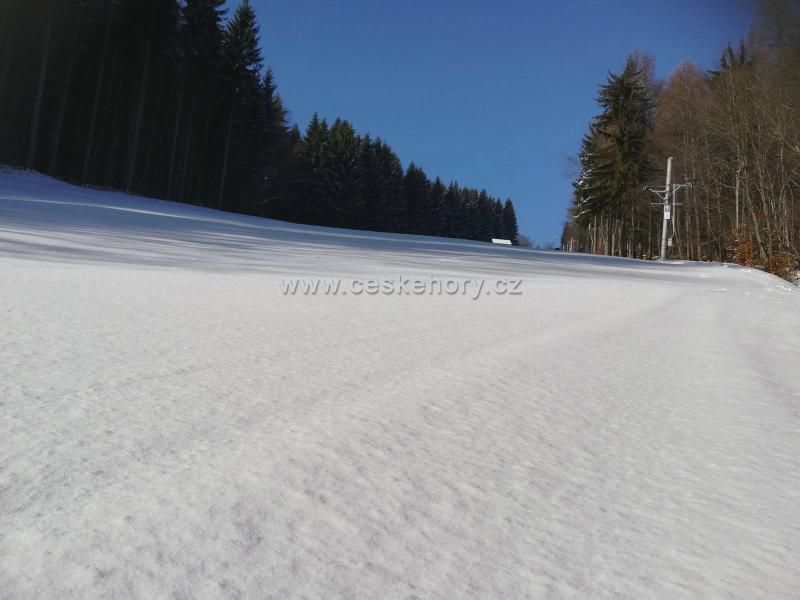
<point x="151" y="186"/>
<point x="174" y="150"/>
<point x="186" y="151"/>
<point x="37" y="105"/>
<point x="98" y="88"/>
<point x="202" y="159"/>
<point x="107" y="131"/>
<point x="697" y="225"/>
<point x="613" y="226"/>
<point x="62" y="109"/>
<point x="5" y="58"/>
<point x="137" y="122"/>
<point x="630" y="235"/>
<point x="688" y="219"/>
<point x="225" y="160"/>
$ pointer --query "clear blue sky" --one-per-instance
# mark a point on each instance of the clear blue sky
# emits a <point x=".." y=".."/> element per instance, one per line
<point x="493" y="94"/>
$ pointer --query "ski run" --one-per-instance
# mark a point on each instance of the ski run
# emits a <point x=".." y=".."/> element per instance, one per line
<point x="175" y="425"/>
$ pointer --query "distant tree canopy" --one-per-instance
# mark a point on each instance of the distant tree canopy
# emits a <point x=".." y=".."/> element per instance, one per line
<point x="733" y="128"/>
<point x="172" y="100"/>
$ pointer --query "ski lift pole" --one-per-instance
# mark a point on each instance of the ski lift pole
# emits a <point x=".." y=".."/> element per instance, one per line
<point x="666" y="212"/>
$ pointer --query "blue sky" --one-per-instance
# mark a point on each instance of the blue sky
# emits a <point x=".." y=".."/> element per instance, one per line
<point x="493" y="94"/>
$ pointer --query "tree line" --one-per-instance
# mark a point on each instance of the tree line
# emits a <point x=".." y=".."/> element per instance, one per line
<point x="734" y="133"/>
<point x="173" y="100"/>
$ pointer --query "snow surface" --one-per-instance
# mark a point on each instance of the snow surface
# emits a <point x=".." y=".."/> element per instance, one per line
<point x="172" y="426"/>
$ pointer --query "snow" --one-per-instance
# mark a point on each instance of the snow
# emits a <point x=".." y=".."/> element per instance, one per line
<point x="173" y="426"/>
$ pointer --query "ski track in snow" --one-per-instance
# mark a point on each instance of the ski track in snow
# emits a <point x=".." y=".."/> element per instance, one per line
<point x="172" y="426"/>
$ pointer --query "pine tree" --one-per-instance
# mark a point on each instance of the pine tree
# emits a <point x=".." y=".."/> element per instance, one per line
<point x="622" y="128"/>
<point x="416" y="191"/>
<point x="193" y="162"/>
<point x="308" y="196"/>
<point x="243" y="64"/>
<point x="439" y="214"/>
<point x="486" y="217"/>
<point x="510" y="228"/>
<point x="155" y="23"/>
<point x="497" y="218"/>
<point x="614" y="156"/>
<point x="275" y="146"/>
<point x="341" y="175"/>
<point x="389" y="190"/>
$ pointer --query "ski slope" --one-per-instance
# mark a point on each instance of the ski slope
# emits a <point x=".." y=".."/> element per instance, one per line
<point x="172" y="426"/>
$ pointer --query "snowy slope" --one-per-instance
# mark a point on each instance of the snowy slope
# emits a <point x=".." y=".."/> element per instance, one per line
<point x="173" y="426"/>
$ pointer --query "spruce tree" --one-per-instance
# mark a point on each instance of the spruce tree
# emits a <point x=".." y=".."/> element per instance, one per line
<point x="615" y="157"/>
<point x="390" y="190"/>
<point x="438" y="214"/>
<point x="341" y="176"/>
<point x="274" y="146"/>
<point x="622" y="128"/>
<point x="243" y="64"/>
<point x="416" y="191"/>
<point x="510" y="228"/>
<point x="486" y="217"/>
<point x="200" y="102"/>
<point x="498" y="231"/>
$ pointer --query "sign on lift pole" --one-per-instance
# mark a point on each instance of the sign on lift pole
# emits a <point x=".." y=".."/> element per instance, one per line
<point x="666" y="212"/>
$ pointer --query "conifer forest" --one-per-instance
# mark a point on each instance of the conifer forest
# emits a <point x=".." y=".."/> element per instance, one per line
<point x="175" y="100"/>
